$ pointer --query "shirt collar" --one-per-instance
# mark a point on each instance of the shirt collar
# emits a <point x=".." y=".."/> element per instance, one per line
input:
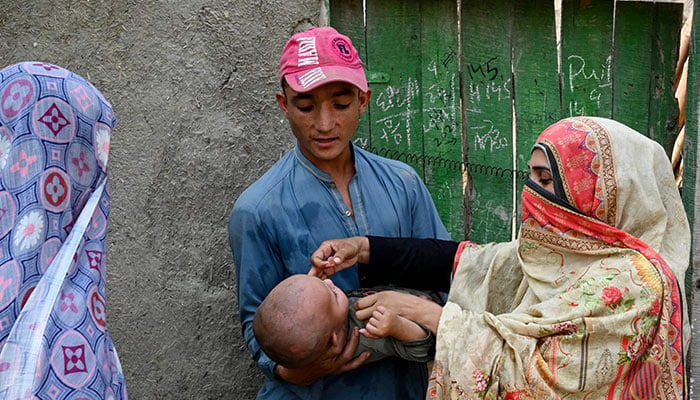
<point x="322" y="175"/>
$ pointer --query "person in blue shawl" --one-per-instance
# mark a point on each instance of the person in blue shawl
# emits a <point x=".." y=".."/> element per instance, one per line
<point x="55" y="130"/>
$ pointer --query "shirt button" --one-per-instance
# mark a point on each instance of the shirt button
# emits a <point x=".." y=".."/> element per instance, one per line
<point x="348" y="213"/>
<point x="332" y="186"/>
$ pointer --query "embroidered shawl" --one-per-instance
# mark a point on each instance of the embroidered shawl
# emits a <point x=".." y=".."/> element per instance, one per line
<point x="589" y="301"/>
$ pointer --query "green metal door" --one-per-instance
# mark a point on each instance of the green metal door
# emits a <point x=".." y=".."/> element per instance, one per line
<point x="460" y="90"/>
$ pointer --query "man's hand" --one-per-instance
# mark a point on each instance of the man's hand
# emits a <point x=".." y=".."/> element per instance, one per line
<point x="335" y="255"/>
<point x="337" y="360"/>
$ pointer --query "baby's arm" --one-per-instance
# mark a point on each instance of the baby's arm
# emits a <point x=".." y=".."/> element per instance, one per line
<point x="384" y="322"/>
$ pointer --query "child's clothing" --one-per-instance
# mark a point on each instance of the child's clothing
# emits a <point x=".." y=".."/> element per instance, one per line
<point x="421" y="350"/>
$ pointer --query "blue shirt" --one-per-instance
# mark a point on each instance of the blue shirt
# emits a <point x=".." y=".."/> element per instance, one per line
<point x="282" y="218"/>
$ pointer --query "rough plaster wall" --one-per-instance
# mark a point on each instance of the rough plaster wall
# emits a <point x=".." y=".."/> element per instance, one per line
<point x="192" y="83"/>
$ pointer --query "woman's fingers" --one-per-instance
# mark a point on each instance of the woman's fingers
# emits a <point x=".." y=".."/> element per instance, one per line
<point x="335" y="255"/>
<point x="365" y="306"/>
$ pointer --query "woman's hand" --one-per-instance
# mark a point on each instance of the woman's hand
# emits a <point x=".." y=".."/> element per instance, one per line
<point x="414" y="308"/>
<point x="338" y="254"/>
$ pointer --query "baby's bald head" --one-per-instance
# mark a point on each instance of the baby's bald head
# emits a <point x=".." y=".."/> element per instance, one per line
<point x="290" y="324"/>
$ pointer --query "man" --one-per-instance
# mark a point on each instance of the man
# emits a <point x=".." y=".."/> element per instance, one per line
<point x="325" y="188"/>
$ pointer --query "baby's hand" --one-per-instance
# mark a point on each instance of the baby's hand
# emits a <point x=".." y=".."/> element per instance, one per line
<point x="380" y="324"/>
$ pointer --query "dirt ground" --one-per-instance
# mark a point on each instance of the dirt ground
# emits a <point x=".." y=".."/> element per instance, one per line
<point x="192" y="83"/>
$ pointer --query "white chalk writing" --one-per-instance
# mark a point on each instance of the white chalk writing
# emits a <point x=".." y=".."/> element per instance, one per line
<point x="600" y="76"/>
<point x="488" y="137"/>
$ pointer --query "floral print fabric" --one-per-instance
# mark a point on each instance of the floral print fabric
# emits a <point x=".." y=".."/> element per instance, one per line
<point x="55" y="131"/>
<point x="591" y="306"/>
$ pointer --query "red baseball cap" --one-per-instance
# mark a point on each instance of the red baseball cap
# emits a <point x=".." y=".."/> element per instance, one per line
<point x="319" y="56"/>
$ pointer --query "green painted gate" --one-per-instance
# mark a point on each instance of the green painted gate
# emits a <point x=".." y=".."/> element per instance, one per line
<point x="460" y="90"/>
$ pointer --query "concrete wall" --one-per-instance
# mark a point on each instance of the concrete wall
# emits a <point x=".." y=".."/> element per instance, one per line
<point x="192" y="83"/>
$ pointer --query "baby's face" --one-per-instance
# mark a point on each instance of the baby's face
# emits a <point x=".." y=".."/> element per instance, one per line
<point x="339" y="301"/>
<point x="333" y="305"/>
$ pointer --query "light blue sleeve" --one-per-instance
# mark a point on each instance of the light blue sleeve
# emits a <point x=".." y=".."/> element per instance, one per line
<point x="258" y="269"/>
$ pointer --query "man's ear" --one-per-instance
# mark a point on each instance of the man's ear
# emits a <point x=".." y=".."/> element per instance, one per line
<point x="282" y="102"/>
<point x="364" y="99"/>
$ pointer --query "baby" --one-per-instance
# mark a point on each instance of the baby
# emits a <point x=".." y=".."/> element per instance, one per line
<point x="303" y="316"/>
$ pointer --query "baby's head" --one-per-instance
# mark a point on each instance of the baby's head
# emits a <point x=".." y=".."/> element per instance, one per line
<point x="300" y="319"/>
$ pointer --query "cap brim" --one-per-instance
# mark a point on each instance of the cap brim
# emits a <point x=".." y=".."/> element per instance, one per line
<point x="301" y="82"/>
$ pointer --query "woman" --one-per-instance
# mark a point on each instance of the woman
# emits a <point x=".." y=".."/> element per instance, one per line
<point x="585" y="304"/>
<point x="55" y="131"/>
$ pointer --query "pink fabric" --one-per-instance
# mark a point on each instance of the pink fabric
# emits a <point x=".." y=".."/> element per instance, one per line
<point x="319" y="56"/>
